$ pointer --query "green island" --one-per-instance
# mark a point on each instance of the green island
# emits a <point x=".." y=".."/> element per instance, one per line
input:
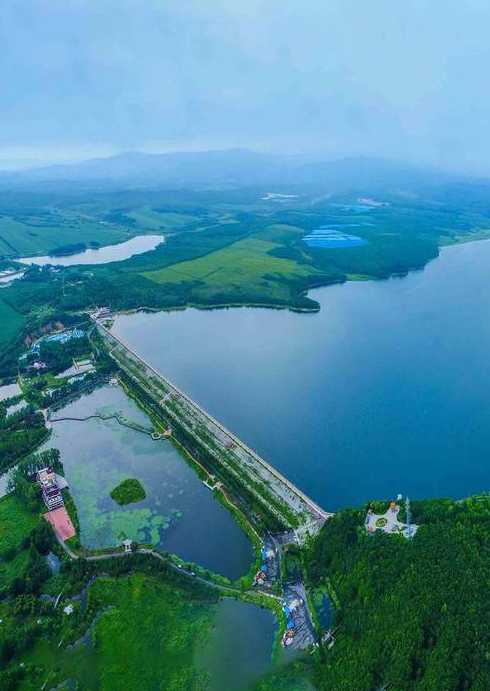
<point x="128" y="492"/>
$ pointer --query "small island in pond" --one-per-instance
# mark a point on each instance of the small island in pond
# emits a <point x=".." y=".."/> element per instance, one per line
<point x="128" y="492"/>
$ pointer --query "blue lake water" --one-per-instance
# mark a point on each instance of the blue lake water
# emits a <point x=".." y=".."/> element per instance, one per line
<point x="385" y="390"/>
<point x="104" y="255"/>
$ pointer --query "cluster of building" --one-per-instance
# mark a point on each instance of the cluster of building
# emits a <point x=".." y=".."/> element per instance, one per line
<point x="50" y="489"/>
<point x="101" y="313"/>
<point x="267" y="566"/>
<point x="289" y="609"/>
<point x="389" y="522"/>
<point x="62" y="338"/>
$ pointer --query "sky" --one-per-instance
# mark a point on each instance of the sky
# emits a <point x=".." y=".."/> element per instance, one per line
<point x="331" y="78"/>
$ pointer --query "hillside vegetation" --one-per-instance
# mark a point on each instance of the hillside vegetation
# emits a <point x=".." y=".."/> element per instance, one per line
<point x="413" y="614"/>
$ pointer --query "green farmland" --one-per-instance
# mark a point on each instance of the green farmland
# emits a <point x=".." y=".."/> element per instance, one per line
<point x="244" y="270"/>
<point x="31" y="235"/>
<point x="222" y="248"/>
<point x="152" y="219"/>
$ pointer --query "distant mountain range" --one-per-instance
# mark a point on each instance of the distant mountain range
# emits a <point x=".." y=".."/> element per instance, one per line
<point x="228" y="169"/>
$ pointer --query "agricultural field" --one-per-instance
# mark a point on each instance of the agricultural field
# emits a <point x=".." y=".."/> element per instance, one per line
<point x="153" y="219"/>
<point x="222" y="247"/>
<point x="246" y="268"/>
<point x="40" y="233"/>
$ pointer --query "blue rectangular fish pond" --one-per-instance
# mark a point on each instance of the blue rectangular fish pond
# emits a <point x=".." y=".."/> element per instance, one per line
<point x="328" y="238"/>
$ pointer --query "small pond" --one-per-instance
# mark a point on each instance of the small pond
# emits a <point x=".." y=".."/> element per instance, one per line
<point x="104" y="255"/>
<point x="179" y="514"/>
<point x="7" y="278"/>
<point x="9" y="390"/>
<point x="239" y="649"/>
<point x="328" y="238"/>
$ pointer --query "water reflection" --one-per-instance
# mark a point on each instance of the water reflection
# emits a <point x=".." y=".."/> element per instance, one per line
<point x="104" y="255"/>
<point x="385" y="390"/>
<point x="179" y="513"/>
<point x="239" y="649"/>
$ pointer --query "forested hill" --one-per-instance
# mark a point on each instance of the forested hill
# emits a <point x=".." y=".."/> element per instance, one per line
<point x="414" y="615"/>
<point x="230" y="169"/>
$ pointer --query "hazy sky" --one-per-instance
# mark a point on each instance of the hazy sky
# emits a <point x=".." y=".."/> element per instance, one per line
<point x="400" y="78"/>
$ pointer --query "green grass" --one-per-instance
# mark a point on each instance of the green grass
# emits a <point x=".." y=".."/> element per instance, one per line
<point x="29" y="235"/>
<point x="148" y="637"/>
<point x="145" y="638"/>
<point x="151" y="219"/>
<point x="128" y="492"/>
<point x="9" y="570"/>
<point x="292" y="677"/>
<point x="246" y="266"/>
<point x="11" y="323"/>
<point x="16" y="522"/>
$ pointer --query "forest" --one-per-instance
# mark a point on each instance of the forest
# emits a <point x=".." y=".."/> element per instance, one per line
<point x="414" y="613"/>
<point x="20" y="432"/>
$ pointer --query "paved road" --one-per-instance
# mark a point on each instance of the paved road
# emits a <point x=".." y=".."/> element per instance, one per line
<point x="178" y="569"/>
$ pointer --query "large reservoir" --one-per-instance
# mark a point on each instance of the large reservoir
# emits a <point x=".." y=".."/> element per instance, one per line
<point x="385" y="390"/>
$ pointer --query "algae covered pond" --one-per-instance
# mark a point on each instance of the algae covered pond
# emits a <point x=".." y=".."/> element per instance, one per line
<point x="179" y="514"/>
<point x="238" y="649"/>
<point x="149" y="635"/>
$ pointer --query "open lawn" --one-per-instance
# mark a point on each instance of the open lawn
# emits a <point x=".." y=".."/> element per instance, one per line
<point x="244" y="267"/>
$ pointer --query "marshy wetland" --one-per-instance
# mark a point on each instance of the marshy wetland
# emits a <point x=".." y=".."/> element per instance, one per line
<point x="179" y="513"/>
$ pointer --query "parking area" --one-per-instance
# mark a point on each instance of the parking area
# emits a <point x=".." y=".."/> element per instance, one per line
<point x="300" y="633"/>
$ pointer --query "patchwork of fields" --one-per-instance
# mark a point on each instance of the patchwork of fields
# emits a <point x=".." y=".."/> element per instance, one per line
<point x="226" y="247"/>
<point x="244" y="267"/>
